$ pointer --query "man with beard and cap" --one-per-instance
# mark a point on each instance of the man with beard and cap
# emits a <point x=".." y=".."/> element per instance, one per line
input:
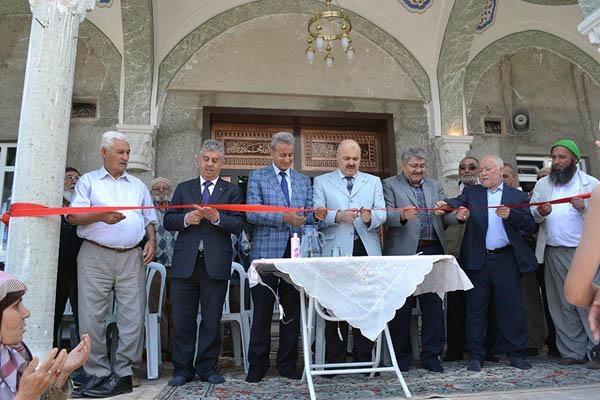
<point x="66" y="282"/>
<point x="561" y="226"/>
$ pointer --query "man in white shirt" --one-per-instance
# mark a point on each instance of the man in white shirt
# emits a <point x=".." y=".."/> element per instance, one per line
<point x="561" y="226"/>
<point x="111" y="259"/>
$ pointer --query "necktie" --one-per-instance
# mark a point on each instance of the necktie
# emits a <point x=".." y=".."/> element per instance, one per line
<point x="206" y="192"/>
<point x="284" y="187"/>
<point x="349" y="183"/>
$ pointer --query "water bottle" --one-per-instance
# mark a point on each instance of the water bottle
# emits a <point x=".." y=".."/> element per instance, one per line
<point x="295" y="246"/>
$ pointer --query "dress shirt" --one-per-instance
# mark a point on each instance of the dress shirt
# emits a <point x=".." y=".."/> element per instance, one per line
<point x="288" y="177"/>
<point x="426" y="230"/>
<point x="564" y="223"/>
<point x="495" y="237"/>
<point x="99" y="189"/>
<point x="343" y="178"/>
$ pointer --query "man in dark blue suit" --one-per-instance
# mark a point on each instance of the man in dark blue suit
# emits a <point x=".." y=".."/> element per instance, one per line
<point x="493" y="254"/>
<point x="201" y="265"/>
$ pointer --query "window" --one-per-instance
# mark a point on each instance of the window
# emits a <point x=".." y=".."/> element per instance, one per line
<point x="8" y="155"/>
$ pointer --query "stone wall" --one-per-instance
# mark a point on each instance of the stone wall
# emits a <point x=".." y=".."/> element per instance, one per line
<point x="558" y="94"/>
<point x="97" y="78"/>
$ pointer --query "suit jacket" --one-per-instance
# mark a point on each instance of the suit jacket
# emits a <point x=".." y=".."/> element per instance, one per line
<point x="543" y="192"/>
<point x="271" y="234"/>
<point x="472" y="251"/>
<point x="218" y="251"/>
<point x="403" y="239"/>
<point x="330" y="191"/>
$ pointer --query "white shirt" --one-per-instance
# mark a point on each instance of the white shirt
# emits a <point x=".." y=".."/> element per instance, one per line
<point x="97" y="189"/>
<point x="288" y="177"/>
<point x="211" y="188"/>
<point x="564" y="223"/>
<point x="495" y="237"/>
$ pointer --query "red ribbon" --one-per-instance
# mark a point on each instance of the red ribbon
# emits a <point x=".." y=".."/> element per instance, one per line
<point x="37" y="210"/>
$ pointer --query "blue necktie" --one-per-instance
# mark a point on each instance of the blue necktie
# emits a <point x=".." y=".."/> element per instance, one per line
<point x="206" y="192"/>
<point x="284" y="188"/>
<point x="349" y="184"/>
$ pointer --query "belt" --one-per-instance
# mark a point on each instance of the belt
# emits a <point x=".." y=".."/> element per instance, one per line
<point x="498" y="250"/>
<point x="423" y="243"/>
<point x="117" y="249"/>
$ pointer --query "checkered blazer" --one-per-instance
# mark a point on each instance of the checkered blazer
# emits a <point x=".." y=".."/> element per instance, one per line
<point x="271" y="234"/>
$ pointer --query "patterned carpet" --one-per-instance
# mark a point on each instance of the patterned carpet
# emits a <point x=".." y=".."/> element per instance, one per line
<point x="495" y="377"/>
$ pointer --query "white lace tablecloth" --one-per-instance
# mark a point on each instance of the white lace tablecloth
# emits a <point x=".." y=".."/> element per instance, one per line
<point x="366" y="291"/>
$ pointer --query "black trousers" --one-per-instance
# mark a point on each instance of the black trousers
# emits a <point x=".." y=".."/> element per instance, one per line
<point x="501" y="273"/>
<point x="335" y="349"/>
<point x="456" y="325"/>
<point x="289" y="326"/>
<point x="66" y="289"/>
<point x="186" y="295"/>
<point x="551" y="339"/>
<point x="432" y="314"/>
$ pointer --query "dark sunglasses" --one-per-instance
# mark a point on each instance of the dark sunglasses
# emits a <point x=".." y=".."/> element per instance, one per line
<point x="470" y="167"/>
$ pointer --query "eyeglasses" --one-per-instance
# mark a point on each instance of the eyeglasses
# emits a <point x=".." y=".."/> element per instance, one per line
<point x="470" y="167"/>
<point x="72" y="177"/>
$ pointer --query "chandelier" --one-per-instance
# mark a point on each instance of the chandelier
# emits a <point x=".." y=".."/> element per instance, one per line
<point x="327" y="26"/>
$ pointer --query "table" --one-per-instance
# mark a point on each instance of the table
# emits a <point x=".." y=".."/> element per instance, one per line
<point x="365" y="291"/>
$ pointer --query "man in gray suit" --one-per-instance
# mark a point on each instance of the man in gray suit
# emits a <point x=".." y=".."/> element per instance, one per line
<point x="353" y="232"/>
<point x="409" y="232"/>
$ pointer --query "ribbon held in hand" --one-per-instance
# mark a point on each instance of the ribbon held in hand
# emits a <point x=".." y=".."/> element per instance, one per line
<point x="37" y="210"/>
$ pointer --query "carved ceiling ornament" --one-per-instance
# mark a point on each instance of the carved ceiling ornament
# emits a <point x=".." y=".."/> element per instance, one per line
<point x="77" y="7"/>
<point x="416" y="6"/>
<point x="488" y="16"/>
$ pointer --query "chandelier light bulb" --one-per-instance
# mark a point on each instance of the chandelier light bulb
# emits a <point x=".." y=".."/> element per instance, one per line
<point x="350" y="54"/>
<point x="329" y="60"/>
<point x="345" y="41"/>
<point x="320" y="42"/>
<point x="310" y="54"/>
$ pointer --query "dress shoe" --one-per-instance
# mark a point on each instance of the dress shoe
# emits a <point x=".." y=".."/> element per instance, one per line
<point x="474" y="366"/>
<point x="79" y="377"/>
<point x="291" y="374"/>
<point x="112" y="386"/>
<point x="214" y="379"/>
<point x="255" y="375"/>
<point x="531" y="352"/>
<point x="592" y="364"/>
<point x="179" y="380"/>
<point x="519" y="363"/>
<point x="570" y="361"/>
<point x="90" y="382"/>
<point x="433" y="365"/>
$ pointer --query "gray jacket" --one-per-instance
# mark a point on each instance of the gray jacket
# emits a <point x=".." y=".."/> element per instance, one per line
<point x="403" y="239"/>
<point x="543" y="192"/>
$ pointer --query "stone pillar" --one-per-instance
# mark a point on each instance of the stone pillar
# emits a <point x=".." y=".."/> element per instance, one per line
<point x="452" y="149"/>
<point x="142" y="145"/>
<point x="41" y="157"/>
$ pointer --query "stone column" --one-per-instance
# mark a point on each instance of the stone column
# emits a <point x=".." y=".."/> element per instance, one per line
<point x="141" y="143"/>
<point x="41" y="157"/>
<point x="452" y="149"/>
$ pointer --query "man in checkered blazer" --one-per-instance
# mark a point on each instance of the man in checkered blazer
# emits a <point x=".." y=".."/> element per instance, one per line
<point x="276" y="185"/>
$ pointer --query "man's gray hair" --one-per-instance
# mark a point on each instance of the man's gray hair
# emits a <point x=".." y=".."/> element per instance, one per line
<point x="109" y="137"/>
<point x="212" y="145"/>
<point x="282" y="137"/>
<point x="411" y="152"/>
<point x="497" y="160"/>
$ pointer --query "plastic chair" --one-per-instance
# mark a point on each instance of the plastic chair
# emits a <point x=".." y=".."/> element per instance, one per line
<point x="240" y="321"/>
<point x="152" y="321"/>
